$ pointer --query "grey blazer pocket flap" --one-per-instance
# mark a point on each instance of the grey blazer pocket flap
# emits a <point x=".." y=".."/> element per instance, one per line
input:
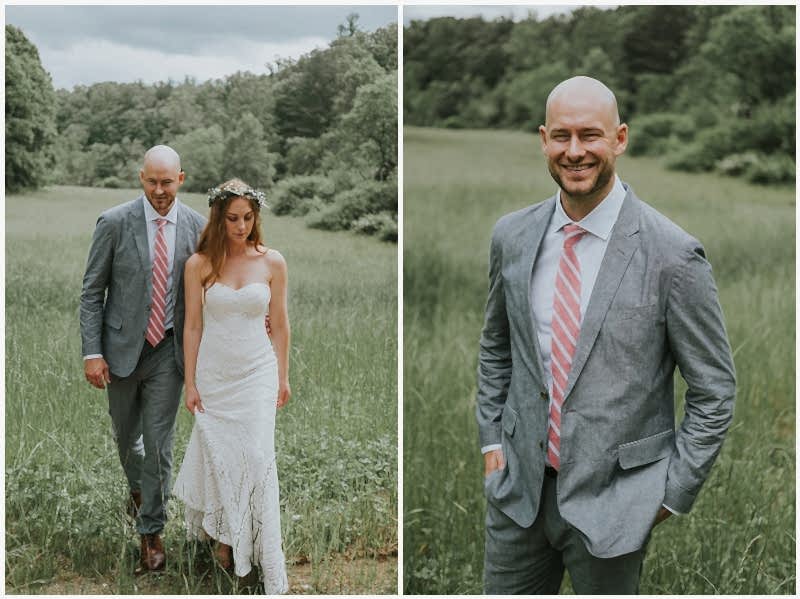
<point x="644" y="451"/>
<point x="113" y="320"/>
<point x="509" y="421"/>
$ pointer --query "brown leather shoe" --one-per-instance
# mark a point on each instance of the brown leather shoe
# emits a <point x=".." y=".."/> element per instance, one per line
<point x="134" y="504"/>
<point x="153" y="558"/>
<point x="224" y="555"/>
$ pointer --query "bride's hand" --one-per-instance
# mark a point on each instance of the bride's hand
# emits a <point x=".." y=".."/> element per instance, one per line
<point x="284" y="393"/>
<point x="193" y="403"/>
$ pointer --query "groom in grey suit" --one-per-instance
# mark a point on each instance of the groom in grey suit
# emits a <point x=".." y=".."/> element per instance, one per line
<point x="594" y="299"/>
<point x="142" y="373"/>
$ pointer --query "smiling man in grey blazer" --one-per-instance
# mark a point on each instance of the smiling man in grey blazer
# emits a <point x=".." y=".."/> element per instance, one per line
<point x="594" y="299"/>
<point x="131" y="319"/>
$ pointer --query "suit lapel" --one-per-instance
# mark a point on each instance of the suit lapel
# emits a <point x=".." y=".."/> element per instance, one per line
<point x="139" y="229"/>
<point x="622" y="245"/>
<point x="532" y="241"/>
<point x="183" y="249"/>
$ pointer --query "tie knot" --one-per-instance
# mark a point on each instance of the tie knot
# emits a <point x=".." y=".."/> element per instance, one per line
<point x="161" y="222"/>
<point x="572" y="234"/>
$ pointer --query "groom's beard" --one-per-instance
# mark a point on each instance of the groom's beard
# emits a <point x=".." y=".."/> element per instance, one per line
<point x="161" y="204"/>
<point x="574" y="191"/>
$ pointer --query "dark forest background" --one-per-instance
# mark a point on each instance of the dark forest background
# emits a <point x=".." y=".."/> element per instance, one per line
<point x="317" y="134"/>
<point x="707" y="87"/>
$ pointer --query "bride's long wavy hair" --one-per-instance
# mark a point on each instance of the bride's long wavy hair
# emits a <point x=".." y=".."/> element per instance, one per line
<point x="213" y="239"/>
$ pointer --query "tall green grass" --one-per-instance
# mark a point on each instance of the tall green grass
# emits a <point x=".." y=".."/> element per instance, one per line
<point x="739" y="538"/>
<point x="335" y="441"/>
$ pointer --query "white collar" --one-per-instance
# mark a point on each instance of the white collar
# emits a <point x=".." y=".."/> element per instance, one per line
<point x="601" y="220"/>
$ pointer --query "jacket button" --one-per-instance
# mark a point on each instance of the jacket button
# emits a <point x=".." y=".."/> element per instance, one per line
<point x="543" y="395"/>
<point x="541" y="445"/>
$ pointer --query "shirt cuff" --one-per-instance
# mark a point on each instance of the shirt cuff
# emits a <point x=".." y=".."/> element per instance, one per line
<point x="90" y="356"/>
<point x="487" y="448"/>
<point x="676" y="512"/>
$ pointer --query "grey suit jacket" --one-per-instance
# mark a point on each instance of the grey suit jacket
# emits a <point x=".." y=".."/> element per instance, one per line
<point x="117" y="286"/>
<point x="654" y="306"/>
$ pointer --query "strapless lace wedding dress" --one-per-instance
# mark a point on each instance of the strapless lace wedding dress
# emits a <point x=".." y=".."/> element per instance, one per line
<point x="228" y="479"/>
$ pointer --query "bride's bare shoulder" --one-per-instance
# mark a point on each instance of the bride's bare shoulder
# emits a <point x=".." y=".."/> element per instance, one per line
<point x="275" y="260"/>
<point x="198" y="264"/>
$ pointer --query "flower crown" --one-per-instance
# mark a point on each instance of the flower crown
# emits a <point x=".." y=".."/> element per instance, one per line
<point x="239" y="189"/>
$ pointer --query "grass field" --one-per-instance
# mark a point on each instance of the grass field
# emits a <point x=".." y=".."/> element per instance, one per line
<point x="336" y="441"/>
<point x="740" y="536"/>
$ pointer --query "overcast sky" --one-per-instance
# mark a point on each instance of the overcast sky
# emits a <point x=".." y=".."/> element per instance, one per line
<point x="87" y="44"/>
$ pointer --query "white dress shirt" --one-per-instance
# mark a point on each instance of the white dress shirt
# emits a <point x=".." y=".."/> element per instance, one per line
<point x="170" y="231"/>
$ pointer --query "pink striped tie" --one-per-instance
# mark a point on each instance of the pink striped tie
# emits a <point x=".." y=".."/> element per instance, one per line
<point x="566" y="326"/>
<point x="155" y="326"/>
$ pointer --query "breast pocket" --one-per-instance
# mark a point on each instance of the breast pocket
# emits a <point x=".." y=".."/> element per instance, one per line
<point x="634" y="328"/>
<point x="648" y="312"/>
<point x="632" y="337"/>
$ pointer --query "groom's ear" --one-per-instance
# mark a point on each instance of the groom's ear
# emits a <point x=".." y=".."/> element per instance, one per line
<point x="181" y="177"/>
<point x="543" y="137"/>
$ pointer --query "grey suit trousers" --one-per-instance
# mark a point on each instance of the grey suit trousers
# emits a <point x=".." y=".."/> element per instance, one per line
<point x="143" y="406"/>
<point x="531" y="561"/>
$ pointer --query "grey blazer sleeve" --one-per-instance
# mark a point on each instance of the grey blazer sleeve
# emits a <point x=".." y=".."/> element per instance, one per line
<point x="494" y="355"/>
<point x="95" y="282"/>
<point x="697" y="336"/>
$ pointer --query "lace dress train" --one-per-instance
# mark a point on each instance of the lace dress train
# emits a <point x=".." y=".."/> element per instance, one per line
<point x="228" y="479"/>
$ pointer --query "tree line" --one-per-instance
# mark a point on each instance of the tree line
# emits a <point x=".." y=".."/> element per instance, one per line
<point x="318" y="134"/>
<point x="707" y="87"/>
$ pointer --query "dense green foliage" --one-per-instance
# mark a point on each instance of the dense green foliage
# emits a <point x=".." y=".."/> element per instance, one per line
<point x="336" y="440"/>
<point x="330" y="114"/>
<point x="740" y="535"/>
<point x="712" y="87"/>
<point x="30" y="114"/>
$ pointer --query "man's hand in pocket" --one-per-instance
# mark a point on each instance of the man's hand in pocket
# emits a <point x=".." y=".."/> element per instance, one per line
<point x="493" y="460"/>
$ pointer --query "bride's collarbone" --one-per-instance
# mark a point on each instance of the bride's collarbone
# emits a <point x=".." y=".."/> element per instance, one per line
<point x="244" y="271"/>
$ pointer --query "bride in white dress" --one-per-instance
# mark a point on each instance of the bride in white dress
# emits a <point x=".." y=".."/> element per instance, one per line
<point x="235" y="378"/>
